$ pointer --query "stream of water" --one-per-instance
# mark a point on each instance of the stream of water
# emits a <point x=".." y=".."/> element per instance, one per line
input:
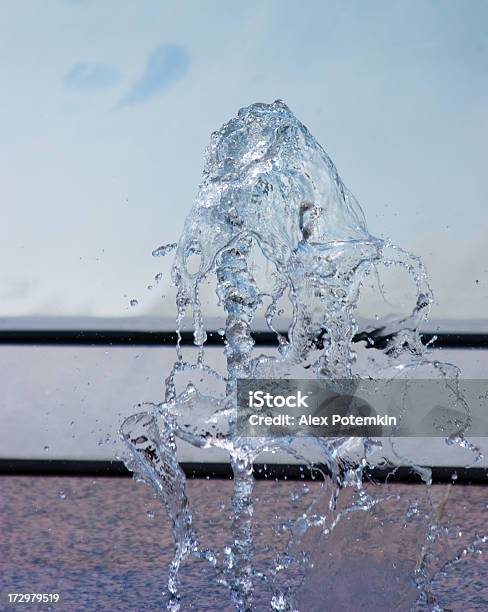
<point x="281" y="238"/>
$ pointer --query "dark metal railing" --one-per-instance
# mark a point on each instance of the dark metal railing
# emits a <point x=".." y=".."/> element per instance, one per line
<point x="62" y="467"/>
<point x="221" y="470"/>
<point x="162" y="338"/>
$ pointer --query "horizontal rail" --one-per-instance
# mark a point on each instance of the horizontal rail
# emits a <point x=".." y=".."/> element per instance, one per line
<point x="162" y="338"/>
<point x="59" y="467"/>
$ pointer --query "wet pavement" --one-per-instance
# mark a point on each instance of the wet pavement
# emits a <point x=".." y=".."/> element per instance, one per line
<point x="104" y="544"/>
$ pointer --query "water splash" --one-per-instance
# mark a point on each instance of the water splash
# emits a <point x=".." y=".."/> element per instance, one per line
<point x="164" y="249"/>
<point x="270" y="199"/>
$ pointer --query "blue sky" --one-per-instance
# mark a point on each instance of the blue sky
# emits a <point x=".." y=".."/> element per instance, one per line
<point x="165" y="65"/>
<point x="90" y="77"/>
<point x="106" y="109"/>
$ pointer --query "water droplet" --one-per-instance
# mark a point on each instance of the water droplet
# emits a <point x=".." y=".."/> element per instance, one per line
<point x="46" y="448"/>
<point x="61" y="494"/>
<point x="278" y="602"/>
<point x="150" y="514"/>
<point x="158" y="277"/>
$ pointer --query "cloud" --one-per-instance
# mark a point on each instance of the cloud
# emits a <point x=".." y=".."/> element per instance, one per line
<point x="87" y="76"/>
<point x="17" y="288"/>
<point x="165" y="66"/>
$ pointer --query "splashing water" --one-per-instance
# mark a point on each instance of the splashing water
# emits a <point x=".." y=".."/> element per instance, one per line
<point x="270" y="197"/>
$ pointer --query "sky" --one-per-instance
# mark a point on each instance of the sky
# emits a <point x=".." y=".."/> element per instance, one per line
<point x="106" y="107"/>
